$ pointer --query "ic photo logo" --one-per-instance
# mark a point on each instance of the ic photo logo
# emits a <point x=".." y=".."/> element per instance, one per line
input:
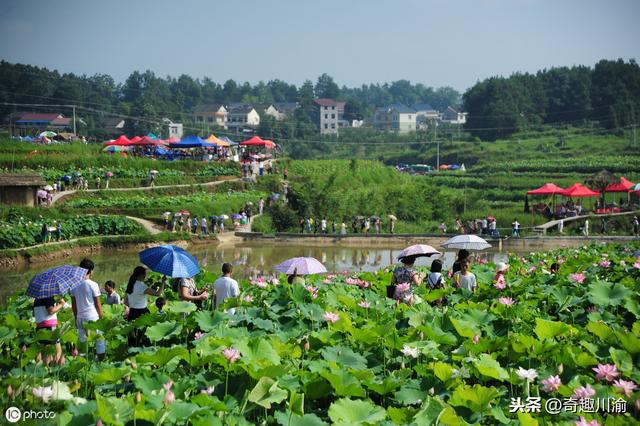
<point x="13" y="414"/>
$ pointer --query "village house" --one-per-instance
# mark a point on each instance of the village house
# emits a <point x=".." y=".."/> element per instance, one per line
<point x="395" y="118"/>
<point x="425" y="114"/>
<point x="241" y="116"/>
<point x="330" y="115"/>
<point x="452" y="116"/>
<point x="20" y="189"/>
<point x="211" y="114"/>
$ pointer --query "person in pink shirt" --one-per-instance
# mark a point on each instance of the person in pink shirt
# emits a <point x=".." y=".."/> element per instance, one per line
<point x="45" y="310"/>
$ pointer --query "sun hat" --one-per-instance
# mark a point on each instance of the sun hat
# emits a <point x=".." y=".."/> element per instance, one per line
<point x="501" y="267"/>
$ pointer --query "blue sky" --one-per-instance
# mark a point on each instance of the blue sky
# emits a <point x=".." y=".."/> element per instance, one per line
<point x="434" y="42"/>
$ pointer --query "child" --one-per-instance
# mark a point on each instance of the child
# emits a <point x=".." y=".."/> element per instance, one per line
<point x="45" y="311"/>
<point x="113" y="298"/>
<point x="435" y="280"/>
<point x="160" y="302"/>
<point x="465" y="278"/>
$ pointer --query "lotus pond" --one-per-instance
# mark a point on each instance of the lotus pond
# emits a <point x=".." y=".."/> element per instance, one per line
<point x="337" y="351"/>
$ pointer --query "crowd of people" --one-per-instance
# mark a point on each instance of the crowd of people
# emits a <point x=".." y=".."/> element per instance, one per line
<point x="358" y="225"/>
<point x="87" y="302"/>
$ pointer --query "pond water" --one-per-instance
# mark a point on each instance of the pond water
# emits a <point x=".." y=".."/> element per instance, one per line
<point x="249" y="259"/>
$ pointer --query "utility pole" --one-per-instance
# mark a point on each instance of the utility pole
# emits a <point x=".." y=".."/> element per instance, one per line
<point x="634" y="137"/>
<point x="74" y="120"/>
<point x="437" y="155"/>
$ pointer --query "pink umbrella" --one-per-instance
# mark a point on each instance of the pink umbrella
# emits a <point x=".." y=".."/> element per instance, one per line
<point x="418" y="250"/>
<point x="301" y="266"/>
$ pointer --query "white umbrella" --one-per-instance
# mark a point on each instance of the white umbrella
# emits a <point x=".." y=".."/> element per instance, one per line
<point x="467" y="242"/>
<point x="48" y="188"/>
<point x="301" y="266"/>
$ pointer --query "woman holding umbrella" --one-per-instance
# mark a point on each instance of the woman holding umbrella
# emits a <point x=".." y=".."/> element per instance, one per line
<point x="404" y="275"/>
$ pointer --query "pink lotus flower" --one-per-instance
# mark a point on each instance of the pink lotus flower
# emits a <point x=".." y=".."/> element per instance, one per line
<point x="408" y="299"/>
<point x="351" y="281"/>
<point x="313" y="291"/>
<point x="331" y="317"/>
<point x="532" y="269"/>
<point x="74" y="352"/>
<point x="482" y="261"/>
<point x="168" y="385"/>
<point x="449" y="274"/>
<point x="501" y="283"/>
<point x="506" y="301"/>
<point x="169" y="398"/>
<point x="248" y="298"/>
<point x="584" y="422"/>
<point x="583" y="392"/>
<point x="231" y="354"/>
<point x="625" y="387"/>
<point x="331" y="276"/>
<point x="551" y="384"/>
<point x="327" y="281"/>
<point x="604" y="263"/>
<point x="274" y="281"/>
<point x="592" y="309"/>
<point x="410" y="351"/>
<point x="578" y="278"/>
<point x="403" y="287"/>
<point x="475" y="339"/>
<point x="623" y="263"/>
<point x="606" y="371"/>
<point x="198" y="335"/>
<point x="364" y="304"/>
<point x="208" y="391"/>
<point x="259" y="282"/>
<point x="636" y="265"/>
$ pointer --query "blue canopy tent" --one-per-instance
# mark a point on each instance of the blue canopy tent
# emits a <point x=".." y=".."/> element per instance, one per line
<point x="192" y="142"/>
<point x="152" y="136"/>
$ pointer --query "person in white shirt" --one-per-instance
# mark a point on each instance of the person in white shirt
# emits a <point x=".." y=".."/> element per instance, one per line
<point x="225" y="287"/>
<point x="135" y="299"/>
<point x="85" y="302"/>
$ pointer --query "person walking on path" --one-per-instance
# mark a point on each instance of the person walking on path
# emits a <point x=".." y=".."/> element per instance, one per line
<point x="203" y="226"/>
<point x="392" y="226"/>
<point x="59" y="230"/>
<point x="225" y="287"/>
<point x="86" y="305"/>
<point x="44" y="233"/>
<point x="261" y="205"/>
<point x="135" y="299"/>
<point x="585" y="228"/>
<point x="515" y="228"/>
<point x="635" y="223"/>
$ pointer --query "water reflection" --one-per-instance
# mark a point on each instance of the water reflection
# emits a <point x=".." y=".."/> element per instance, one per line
<point x="250" y="261"/>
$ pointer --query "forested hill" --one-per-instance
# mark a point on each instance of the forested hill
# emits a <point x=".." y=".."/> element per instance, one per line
<point x="608" y="93"/>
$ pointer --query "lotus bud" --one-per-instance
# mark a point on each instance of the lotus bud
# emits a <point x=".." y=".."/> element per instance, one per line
<point x="74" y="352"/>
<point x="402" y="365"/>
<point x="432" y="391"/>
<point x="560" y="369"/>
<point x="638" y="404"/>
<point x="99" y="422"/>
<point x="138" y="397"/>
<point x="421" y="334"/>
<point x="134" y="366"/>
<point x="10" y="391"/>
<point x="306" y="346"/>
<point x="23" y="348"/>
<point x="169" y="398"/>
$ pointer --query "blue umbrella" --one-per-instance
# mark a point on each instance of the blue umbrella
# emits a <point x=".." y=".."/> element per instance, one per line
<point x="56" y="281"/>
<point x="170" y="260"/>
<point x="236" y="216"/>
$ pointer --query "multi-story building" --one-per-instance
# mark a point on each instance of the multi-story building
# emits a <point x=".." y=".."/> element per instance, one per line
<point x="451" y="115"/>
<point x="425" y="114"/>
<point x="212" y="114"/>
<point x="330" y="115"/>
<point x="241" y="116"/>
<point x="395" y="118"/>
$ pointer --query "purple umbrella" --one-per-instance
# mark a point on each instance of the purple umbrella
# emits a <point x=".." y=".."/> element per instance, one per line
<point x="301" y="266"/>
<point x="41" y="193"/>
<point x="418" y="250"/>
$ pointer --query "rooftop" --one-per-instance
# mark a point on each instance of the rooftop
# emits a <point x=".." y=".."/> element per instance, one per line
<point x="21" y="179"/>
<point x="329" y="102"/>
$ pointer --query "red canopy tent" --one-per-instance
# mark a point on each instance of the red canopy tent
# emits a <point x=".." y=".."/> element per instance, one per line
<point x="579" y="190"/>
<point x="121" y="141"/>
<point x="135" y="139"/>
<point x="257" y="141"/>
<point x="546" y="189"/>
<point x="173" y="139"/>
<point x="623" y="186"/>
<point x="147" y="141"/>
